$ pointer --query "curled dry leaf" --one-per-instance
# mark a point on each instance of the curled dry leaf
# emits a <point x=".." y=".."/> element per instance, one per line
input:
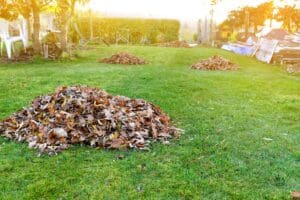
<point x="84" y="115"/>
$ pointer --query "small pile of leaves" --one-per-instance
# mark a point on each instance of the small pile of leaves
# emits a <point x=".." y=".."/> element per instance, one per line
<point x="124" y="58"/>
<point x="26" y="54"/>
<point x="215" y="63"/>
<point x="176" y="44"/>
<point x="84" y="115"/>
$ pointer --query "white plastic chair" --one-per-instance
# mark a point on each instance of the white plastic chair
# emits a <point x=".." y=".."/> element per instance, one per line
<point x="7" y="40"/>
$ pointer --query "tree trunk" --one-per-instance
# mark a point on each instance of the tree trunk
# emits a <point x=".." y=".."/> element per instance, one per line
<point x="64" y="36"/>
<point x="247" y="23"/>
<point x="65" y="19"/>
<point x="91" y="25"/>
<point x="36" y="28"/>
<point x="28" y="27"/>
<point x="65" y="14"/>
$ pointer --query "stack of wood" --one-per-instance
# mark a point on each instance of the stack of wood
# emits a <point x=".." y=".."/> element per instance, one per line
<point x="84" y="115"/>
<point x="215" y="63"/>
<point x="124" y="58"/>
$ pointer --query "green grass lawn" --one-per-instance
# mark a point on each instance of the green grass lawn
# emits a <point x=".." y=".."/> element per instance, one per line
<point x="224" y="153"/>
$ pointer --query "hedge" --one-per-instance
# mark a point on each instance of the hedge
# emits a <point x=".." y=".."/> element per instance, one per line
<point x="139" y="30"/>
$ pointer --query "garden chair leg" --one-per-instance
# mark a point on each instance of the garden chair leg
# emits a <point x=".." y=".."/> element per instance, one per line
<point x="12" y="47"/>
<point x="8" y="45"/>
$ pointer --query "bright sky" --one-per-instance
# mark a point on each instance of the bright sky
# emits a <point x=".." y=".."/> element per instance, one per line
<point x="178" y="9"/>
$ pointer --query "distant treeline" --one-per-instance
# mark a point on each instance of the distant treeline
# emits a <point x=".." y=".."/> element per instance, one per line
<point x="136" y="30"/>
<point x="251" y="19"/>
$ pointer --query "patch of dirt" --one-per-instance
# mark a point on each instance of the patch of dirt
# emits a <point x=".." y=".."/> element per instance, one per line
<point x="215" y="63"/>
<point x="84" y="115"/>
<point x="124" y="58"/>
<point x="176" y="44"/>
<point x="25" y="55"/>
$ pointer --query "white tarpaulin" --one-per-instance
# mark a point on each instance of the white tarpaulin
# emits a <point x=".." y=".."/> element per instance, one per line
<point x="266" y="50"/>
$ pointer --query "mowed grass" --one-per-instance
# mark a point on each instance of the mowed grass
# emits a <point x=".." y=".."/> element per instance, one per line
<point x="241" y="139"/>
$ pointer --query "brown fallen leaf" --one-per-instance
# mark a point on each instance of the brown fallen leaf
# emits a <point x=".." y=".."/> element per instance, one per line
<point x="296" y="195"/>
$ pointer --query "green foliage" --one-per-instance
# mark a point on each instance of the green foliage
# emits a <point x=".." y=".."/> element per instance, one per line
<point x="249" y="16"/>
<point x="155" y="30"/>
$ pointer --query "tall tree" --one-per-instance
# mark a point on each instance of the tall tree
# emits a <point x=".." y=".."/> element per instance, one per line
<point x="297" y="20"/>
<point x="247" y="17"/>
<point x="65" y="12"/>
<point x="236" y="19"/>
<point x="37" y="7"/>
<point x="259" y="14"/>
<point x="289" y="16"/>
<point x="10" y="9"/>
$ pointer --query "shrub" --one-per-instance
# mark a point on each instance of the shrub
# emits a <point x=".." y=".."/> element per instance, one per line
<point x="138" y="30"/>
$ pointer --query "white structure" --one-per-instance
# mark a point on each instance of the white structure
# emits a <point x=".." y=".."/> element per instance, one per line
<point x="7" y="40"/>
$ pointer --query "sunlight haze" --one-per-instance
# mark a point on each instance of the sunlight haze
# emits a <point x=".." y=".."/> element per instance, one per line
<point x="179" y="9"/>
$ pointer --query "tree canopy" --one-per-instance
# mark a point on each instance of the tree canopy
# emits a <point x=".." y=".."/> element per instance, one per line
<point x="254" y="17"/>
<point x="7" y="10"/>
<point x="290" y="16"/>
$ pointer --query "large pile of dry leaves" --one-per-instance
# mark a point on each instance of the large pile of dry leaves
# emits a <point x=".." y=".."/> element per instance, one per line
<point x="124" y="58"/>
<point x="84" y="115"/>
<point x="176" y="44"/>
<point x="215" y="63"/>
